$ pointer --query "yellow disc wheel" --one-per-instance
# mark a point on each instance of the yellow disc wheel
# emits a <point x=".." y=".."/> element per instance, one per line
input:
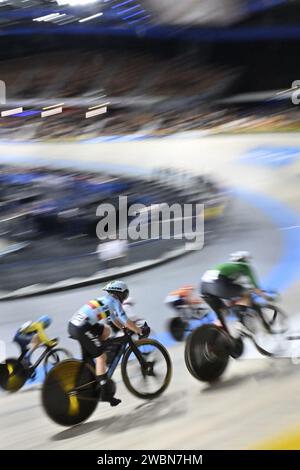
<point x="69" y="393"/>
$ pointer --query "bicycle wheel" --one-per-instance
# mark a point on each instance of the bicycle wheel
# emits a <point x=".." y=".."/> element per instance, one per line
<point x="177" y="328"/>
<point x="267" y="327"/>
<point x="69" y="394"/>
<point x="13" y="375"/>
<point x="55" y="356"/>
<point x="152" y="379"/>
<point x="206" y="353"/>
<point x="275" y="319"/>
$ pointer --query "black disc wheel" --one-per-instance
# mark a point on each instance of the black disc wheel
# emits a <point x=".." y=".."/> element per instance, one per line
<point x="207" y="353"/>
<point x="177" y="328"/>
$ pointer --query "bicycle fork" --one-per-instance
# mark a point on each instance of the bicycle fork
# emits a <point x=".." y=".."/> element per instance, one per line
<point x="147" y="368"/>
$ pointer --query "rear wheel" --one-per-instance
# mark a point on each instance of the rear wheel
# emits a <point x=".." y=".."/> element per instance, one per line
<point x="207" y="353"/>
<point x="177" y="328"/>
<point x="13" y="375"/>
<point x="69" y="393"/>
<point x="148" y="380"/>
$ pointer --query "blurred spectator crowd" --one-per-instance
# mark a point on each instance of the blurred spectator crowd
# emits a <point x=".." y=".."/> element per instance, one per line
<point x="145" y="92"/>
<point x="148" y="94"/>
<point x="40" y="202"/>
<point x="64" y="75"/>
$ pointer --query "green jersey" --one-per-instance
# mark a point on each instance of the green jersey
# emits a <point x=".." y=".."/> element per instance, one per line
<point x="234" y="271"/>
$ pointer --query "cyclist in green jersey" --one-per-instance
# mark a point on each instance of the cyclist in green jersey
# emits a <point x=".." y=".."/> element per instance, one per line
<point x="233" y="281"/>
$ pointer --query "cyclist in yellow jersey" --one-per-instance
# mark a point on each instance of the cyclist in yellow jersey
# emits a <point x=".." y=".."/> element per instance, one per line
<point x="32" y="334"/>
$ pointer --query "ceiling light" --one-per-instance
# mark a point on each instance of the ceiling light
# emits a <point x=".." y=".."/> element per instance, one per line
<point x="74" y="3"/>
<point x="88" y="18"/>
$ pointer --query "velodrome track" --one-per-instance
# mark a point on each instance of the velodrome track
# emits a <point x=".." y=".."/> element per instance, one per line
<point x="258" y="398"/>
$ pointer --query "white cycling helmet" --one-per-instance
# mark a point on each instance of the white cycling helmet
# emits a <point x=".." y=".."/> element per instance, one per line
<point x="240" y="257"/>
<point x="118" y="288"/>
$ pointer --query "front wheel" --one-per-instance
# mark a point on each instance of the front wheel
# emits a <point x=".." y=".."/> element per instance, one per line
<point x="207" y="353"/>
<point x="267" y="327"/>
<point x="13" y="375"/>
<point x="149" y="379"/>
<point x="54" y="356"/>
<point x="275" y="319"/>
<point x="69" y="393"/>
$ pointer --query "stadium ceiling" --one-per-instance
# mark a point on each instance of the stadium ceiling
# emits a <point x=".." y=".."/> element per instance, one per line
<point x="18" y="15"/>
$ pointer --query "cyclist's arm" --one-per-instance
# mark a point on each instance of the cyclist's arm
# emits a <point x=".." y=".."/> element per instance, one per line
<point x="253" y="279"/>
<point x="117" y="323"/>
<point x="39" y="329"/>
<point x="262" y="294"/>
<point x="121" y="320"/>
<point x="133" y="327"/>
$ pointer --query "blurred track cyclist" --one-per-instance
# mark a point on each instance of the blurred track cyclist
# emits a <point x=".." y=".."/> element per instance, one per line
<point x="233" y="281"/>
<point x="86" y="328"/>
<point x="32" y="334"/>
<point x="184" y="297"/>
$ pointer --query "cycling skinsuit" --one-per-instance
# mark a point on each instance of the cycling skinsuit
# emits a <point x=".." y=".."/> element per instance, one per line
<point x="226" y="281"/>
<point x="183" y="297"/>
<point x="85" y="327"/>
<point x="25" y="333"/>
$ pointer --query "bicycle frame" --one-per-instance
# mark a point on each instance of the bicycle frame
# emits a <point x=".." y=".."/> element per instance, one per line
<point x="42" y="357"/>
<point x="187" y="312"/>
<point x="123" y="341"/>
<point x="256" y="307"/>
<point x="116" y="359"/>
<point x="39" y="360"/>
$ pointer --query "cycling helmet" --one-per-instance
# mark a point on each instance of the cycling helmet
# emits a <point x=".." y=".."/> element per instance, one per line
<point x="118" y="288"/>
<point x="240" y="257"/>
<point x="45" y="320"/>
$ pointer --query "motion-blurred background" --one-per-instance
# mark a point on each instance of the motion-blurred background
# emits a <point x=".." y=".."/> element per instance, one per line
<point x="162" y="66"/>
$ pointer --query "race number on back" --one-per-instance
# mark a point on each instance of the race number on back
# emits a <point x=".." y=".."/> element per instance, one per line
<point x="210" y="275"/>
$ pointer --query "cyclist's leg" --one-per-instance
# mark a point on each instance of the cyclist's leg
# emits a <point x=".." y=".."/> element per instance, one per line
<point x="23" y="341"/>
<point x="89" y="337"/>
<point x="107" y="391"/>
<point x="237" y="293"/>
<point x="34" y="343"/>
<point x="211" y="291"/>
<point x="219" y="307"/>
<point x="245" y="299"/>
<point x="101" y="360"/>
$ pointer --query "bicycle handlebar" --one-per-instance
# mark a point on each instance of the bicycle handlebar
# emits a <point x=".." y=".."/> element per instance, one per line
<point x="129" y="332"/>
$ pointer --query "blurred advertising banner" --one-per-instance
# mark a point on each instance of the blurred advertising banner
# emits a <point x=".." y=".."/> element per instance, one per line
<point x="212" y="12"/>
<point x="206" y="12"/>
